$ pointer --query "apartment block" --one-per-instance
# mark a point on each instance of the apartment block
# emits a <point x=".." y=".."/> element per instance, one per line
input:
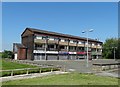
<point x="39" y="44"/>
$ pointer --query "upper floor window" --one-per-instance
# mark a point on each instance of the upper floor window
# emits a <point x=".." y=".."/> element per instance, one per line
<point x="62" y="40"/>
<point x="79" y="42"/>
<point x="74" y="41"/>
<point x="98" y="44"/>
<point x="51" y="38"/>
<point x="93" y="44"/>
<point x="71" y="41"/>
<point x="56" y="39"/>
<point x="38" y="37"/>
<point x="89" y="43"/>
<point x="44" y="37"/>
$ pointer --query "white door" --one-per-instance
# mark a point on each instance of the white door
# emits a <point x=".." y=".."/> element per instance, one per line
<point x="15" y="56"/>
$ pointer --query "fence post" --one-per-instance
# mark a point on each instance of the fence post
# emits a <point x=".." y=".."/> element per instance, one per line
<point x="12" y="73"/>
<point x="40" y="70"/>
<point x="27" y="71"/>
<point x="51" y="69"/>
<point x="64" y="68"/>
<point x="60" y="68"/>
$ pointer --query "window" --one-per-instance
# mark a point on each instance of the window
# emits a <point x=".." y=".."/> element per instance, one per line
<point x="66" y="40"/>
<point x="50" y="46"/>
<point x="93" y="44"/>
<point x="44" y="37"/>
<point x="71" y="41"/>
<point x="62" y="40"/>
<point x="51" y="38"/>
<point x="62" y="47"/>
<point x="38" y="37"/>
<point x="74" y="41"/>
<point x="56" y="39"/>
<point x="79" y="42"/>
<point x="98" y="44"/>
<point x="82" y="42"/>
<point x="39" y="45"/>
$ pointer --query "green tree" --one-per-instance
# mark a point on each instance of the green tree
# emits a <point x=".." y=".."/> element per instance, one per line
<point x="7" y="54"/>
<point x="109" y="46"/>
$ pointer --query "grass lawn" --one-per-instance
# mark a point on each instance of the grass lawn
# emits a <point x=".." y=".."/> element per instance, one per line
<point x="7" y="65"/>
<point x="66" y="79"/>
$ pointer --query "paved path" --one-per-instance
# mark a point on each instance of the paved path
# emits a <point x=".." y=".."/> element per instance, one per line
<point x="110" y="73"/>
<point x="26" y="76"/>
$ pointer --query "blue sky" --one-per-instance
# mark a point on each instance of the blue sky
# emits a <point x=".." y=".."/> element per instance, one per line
<point x="69" y="18"/>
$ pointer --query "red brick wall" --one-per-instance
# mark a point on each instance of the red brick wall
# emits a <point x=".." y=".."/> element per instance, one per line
<point x="21" y="54"/>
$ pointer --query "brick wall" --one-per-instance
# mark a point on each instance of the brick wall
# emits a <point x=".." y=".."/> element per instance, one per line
<point x="21" y="53"/>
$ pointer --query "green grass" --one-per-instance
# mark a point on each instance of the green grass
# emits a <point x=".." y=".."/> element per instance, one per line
<point x="66" y="79"/>
<point x="7" y="65"/>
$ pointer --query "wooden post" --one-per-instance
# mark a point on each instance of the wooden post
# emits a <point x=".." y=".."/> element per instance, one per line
<point x="51" y="69"/>
<point x="64" y="68"/>
<point x="27" y="71"/>
<point x="12" y="73"/>
<point x="40" y="70"/>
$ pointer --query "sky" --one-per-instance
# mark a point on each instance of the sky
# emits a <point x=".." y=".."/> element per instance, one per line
<point x="63" y="17"/>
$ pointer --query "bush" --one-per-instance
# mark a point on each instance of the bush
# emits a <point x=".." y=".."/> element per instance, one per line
<point x="7" y="54"/>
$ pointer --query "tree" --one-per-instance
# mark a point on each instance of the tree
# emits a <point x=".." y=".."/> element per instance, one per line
<point x="109" y="46"/>
<point x="7" y="54"/>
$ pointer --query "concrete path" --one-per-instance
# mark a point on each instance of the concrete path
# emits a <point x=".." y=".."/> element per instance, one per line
<point x="26" y="76"/>
<point x="110" y="73"/>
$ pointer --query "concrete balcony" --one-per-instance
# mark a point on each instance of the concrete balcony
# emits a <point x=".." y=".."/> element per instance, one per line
<point x="80" y="45"/>
<point x="53" y="41"/>
<point x="39" y="41"/>
<point x="88" y="45"/>
<point x="93" y="47"/>
<point x="99" y="46"/>
<point x="72" y="44"/>
<point x="63" y="43"/>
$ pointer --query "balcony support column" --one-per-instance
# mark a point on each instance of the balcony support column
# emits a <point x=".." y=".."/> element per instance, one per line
<point x="58" y="48"/>
<point x="76" y="50"/>
<point x="68" y="49"/>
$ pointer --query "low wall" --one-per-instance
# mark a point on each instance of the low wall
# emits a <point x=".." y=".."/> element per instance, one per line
<point x="103" y="67"/>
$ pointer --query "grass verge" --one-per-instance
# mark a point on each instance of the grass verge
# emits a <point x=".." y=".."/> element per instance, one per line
<point x="7" y="65"/>
<point x="66" y="79"/>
